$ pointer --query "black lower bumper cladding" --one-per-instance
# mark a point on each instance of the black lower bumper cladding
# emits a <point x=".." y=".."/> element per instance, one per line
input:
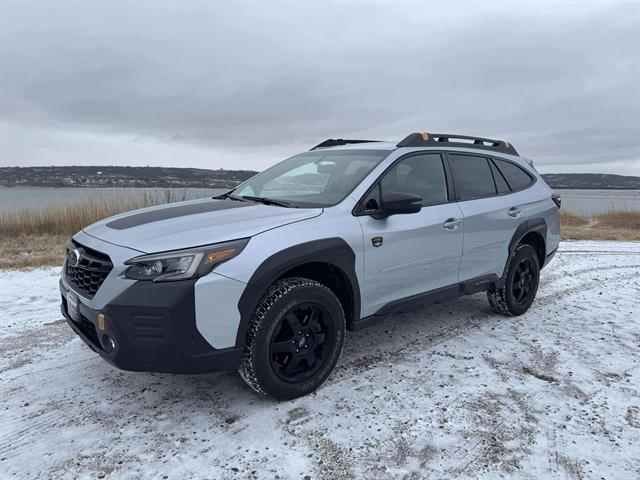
<point x="153" y="329"/>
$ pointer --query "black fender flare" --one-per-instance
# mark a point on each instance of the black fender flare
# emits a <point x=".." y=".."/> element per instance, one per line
<point x="333" y="251"/>
<point x="538" y="225"/>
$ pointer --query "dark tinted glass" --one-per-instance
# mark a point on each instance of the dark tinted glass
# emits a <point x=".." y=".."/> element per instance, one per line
<point x="472" y="177"/>
<point x="516" y="177"/>
<point x="421" y="175"/>
<point x="372" y="202"/>
<point x="501" y="184"/>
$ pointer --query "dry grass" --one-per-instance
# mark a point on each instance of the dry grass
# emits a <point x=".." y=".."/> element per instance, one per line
<point x="570" y="219"/>
<point x="595" y="233"/>
<point x="69" y="218"/>
<point x="38" y="238"/>
<point x="619" y="220"/>
<point x="613" y="225"/>
<point x="28" y="251"/>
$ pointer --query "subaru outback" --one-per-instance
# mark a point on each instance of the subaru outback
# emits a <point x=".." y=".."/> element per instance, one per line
<point x="268" y="277"/>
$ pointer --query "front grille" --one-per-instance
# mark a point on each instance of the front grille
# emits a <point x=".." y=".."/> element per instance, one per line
<point x="89" y="330"/>
<point x="90" y="271"/>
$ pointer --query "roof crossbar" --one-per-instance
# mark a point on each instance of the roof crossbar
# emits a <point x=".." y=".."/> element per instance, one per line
<point x="339" y="141"/>
<point x="433" y="139"/>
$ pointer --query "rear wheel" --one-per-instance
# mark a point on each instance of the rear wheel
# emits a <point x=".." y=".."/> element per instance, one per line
<point x="294" y="339"/>
<point x="521" y="283"/>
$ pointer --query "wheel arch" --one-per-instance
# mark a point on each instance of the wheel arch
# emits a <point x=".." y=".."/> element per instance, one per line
<point x="329" y="261"/>
<point x="530" y="232"/>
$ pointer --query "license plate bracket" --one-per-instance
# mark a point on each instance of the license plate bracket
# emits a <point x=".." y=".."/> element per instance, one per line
<point x="72" y="306"/>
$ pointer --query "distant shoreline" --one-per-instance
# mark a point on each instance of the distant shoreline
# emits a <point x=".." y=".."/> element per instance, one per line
<point x="105" y="187"/>
<point x="161" y="187"/>
<point x="121" y="177"/>
<point x="176" y="178"/>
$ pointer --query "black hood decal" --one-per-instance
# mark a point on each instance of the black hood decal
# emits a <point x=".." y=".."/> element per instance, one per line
<point x="138" y="219"/>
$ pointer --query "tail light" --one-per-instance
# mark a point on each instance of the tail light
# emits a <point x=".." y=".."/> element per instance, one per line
<point x="556" y="199"/>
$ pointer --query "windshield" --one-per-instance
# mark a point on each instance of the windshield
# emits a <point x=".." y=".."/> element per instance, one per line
<point x="313" y="179"/>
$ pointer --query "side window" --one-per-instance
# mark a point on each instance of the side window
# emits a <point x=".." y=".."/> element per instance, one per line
<point x="472" y="176"/>
<point x="516" y="177"/>
<point x="501" y="183"/>
<point x="421" y="175"/>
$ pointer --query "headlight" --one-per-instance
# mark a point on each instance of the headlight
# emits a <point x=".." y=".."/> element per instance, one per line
<point x="182" y="264"/>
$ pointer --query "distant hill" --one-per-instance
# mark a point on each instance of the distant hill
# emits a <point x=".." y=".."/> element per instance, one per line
<point x="121" y="177"/>
<point x="596" y="181"/>
<point x="162" y="177"/>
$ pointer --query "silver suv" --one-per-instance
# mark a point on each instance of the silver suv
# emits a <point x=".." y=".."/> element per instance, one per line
<point x="267" y="278"/>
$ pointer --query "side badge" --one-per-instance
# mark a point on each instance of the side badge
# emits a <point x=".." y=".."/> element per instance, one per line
<point x="377" y="241"/>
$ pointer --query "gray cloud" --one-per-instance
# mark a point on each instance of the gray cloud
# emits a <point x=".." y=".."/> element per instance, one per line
<point x="559" y="80"/>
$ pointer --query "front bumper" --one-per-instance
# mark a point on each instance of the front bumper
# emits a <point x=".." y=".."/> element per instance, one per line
<point x="153" y="328"/>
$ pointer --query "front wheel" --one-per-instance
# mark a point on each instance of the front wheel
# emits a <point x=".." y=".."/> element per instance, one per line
<point x="521" y="283"/>
<point x="294" y="339"/>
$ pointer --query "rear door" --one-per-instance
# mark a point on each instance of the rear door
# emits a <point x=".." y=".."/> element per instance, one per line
<point x="490" y="218"/>
<point x="405" y="255"/>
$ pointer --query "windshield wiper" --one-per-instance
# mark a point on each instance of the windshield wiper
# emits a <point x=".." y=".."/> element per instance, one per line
<point x="267" y="201"/>
<point x="229" y="196"/>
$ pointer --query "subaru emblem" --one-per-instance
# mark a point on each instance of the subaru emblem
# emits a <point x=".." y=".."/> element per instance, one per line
<point x="74" y="257"/>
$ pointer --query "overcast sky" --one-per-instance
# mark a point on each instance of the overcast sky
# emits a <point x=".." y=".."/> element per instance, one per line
<point x="243" y="85"/>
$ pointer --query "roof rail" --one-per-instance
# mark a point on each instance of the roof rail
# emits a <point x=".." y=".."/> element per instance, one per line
<point x="435" y="139"/>
<point x="339" y="141"/>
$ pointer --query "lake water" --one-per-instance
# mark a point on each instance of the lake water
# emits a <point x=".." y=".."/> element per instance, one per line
<point x="587" y="202"/>
<point x="31" y="198"/>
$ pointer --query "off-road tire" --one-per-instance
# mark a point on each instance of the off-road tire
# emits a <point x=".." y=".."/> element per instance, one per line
<point x="502" y="300"/>
<point x="282" y="297"/>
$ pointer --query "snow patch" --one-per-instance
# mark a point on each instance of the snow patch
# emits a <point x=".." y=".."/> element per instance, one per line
<point x="453" y="391"/>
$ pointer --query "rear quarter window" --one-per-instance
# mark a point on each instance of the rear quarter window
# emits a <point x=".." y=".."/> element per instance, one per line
<point x="515" y="176"/>
<point x="501" y="183"/>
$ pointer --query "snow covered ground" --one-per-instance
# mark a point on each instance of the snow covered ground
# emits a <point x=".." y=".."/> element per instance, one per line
<point x="451" y="392"/>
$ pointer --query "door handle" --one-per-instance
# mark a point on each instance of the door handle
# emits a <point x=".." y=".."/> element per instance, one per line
<point x="452" y="223"/>
<point x="515" y="212"/>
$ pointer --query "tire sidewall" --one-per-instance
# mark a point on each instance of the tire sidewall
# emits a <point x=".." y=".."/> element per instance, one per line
<point x="269" y="381"/>
<point x="524" y="251"/>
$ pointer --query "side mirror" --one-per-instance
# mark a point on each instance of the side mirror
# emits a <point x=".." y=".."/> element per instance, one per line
<point x="397" y="203"/>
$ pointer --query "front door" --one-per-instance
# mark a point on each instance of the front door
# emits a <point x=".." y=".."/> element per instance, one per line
<point x="409" y="254"/>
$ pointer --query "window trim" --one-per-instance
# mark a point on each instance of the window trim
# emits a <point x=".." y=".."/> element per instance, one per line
<point x="452" y="194"/>
<point x="492" y="158"/>
<point x="492" y="163"/>
<point x="358" y="209"/>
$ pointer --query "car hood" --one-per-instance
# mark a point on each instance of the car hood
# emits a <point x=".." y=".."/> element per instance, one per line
<point x="189" y="224"/>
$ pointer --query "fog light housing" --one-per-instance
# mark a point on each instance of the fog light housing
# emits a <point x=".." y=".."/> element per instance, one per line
<point x="109" y="343"/>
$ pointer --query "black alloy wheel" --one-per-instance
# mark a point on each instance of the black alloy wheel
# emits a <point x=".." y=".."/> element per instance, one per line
<point x="294" y="339"/>
<point x="523" y="282"/>
<point x="301" y="343"/>
<point x="518" y="290"/>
